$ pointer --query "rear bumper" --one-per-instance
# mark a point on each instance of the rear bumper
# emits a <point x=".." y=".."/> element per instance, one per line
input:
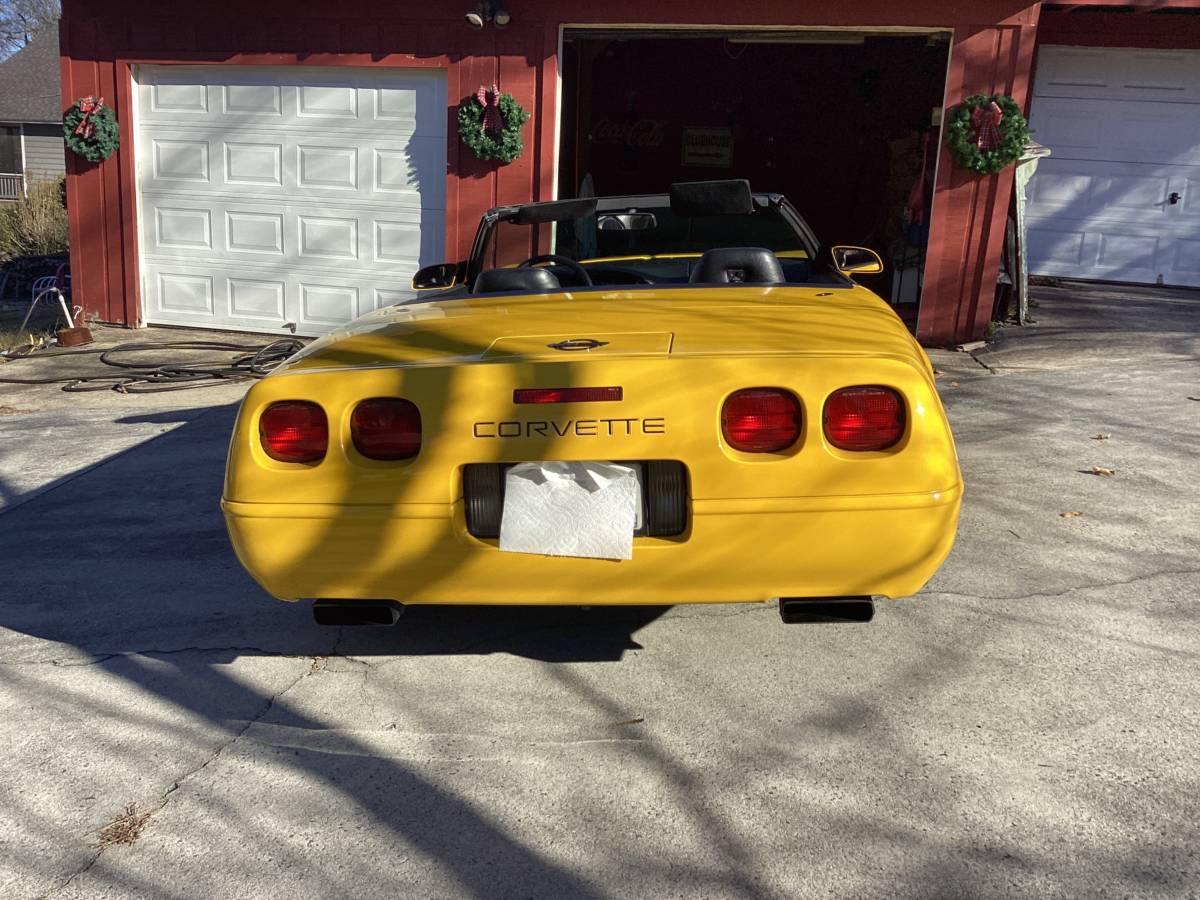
<point x="735" y="550"/>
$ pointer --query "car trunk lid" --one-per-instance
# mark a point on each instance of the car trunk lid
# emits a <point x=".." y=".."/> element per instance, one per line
<point x="580" y="345"/>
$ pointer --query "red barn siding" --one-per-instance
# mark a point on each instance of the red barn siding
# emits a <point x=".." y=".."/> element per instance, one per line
<point x="1144" y="30"/>
<point x="102" y="39"/>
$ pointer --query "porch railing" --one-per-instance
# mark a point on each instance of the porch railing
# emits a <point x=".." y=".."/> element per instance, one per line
<point x="12" y="187"/>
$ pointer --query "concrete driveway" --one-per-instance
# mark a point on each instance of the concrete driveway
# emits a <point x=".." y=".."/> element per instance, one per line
<point x="1027" y="726"/>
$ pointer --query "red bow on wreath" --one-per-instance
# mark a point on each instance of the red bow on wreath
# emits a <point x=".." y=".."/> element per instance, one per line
<point x="985" y="122"/>
<point x="489" y="99"/>
<point x="89" y="106"/>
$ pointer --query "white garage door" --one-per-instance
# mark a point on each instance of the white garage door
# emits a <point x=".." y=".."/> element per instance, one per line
<point x="271" y="196"/>
<point x="1119" y="200"/>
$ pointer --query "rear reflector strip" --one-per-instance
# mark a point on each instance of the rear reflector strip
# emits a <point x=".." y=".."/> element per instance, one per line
<point x="566" y="395"/>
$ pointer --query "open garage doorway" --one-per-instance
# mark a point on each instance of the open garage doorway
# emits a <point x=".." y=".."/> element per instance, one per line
<point x="845" y="124"/>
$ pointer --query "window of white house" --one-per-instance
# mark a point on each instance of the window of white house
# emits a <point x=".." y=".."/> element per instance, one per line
<point x="10" y="150"/>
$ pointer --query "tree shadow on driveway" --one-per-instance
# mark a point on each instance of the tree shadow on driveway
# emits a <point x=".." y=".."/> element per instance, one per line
<point x="127" y="569"/>
<point x="133" y="557"/>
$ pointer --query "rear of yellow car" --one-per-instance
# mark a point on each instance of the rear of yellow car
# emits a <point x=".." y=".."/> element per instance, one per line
<point x="774" y="461"/>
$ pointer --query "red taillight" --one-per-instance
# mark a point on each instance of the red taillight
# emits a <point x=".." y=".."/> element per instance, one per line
<point x="761" y="420"/>
<point x="386" y="428"/>
<point x="294" y="431"/>
<point x="864" y="418"/>
<point x="566" y="395"/>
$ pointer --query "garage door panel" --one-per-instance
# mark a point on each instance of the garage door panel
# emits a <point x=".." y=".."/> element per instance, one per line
<point x="410" y="173"/>
<point x="254" y="163"/>
<point x="254" y="232"/>
<point x="181" y="228"/>
<point x="1121" y="254"/>
<point x="1081" y="189"/>
<point x="415" y="98"/>
<point x="1054" y="249"/>
<point x="245" y="297"/>
<point x="1127" y="131"/>
<point x="313" y="236"/>
<point x="323" y="166"/>
<point x="1187" y="205"/>
<point x="187" y="295"/>
<point x="1117" y="193"/>
<point x="256" y="299"/>
<point x="1117" y="74"/>
<point x="1119" y="198"/>
<point x="1067" y="128"/>
<point x="251" y="100"/>
<point x="1131" y="257"/>
<point x="1186" y="261"/>
<point x="273" y="195"/>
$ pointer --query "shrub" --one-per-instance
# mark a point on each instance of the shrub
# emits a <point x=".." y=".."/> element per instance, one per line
<point x="36" y="225"/>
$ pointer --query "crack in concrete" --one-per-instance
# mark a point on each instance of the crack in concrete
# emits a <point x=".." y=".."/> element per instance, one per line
<point x="105" y="657"/>
<point x="991" y="370"/>
<point x="212" y="757"/>
<point x="1166" y="573"/>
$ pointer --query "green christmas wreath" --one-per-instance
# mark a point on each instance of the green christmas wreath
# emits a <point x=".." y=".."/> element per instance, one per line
<point x="986" y="133"/>
<point x="90" y="129"/>
<point x="489" y="123"/>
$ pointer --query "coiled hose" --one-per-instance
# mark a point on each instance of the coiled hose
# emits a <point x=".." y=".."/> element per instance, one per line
<point x="253" y="361"/>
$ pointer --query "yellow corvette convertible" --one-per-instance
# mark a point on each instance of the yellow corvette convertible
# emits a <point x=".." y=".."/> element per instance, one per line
<point x="681" y="398"/>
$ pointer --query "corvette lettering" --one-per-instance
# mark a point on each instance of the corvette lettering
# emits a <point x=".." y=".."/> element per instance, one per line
<point x="576" y="427"/>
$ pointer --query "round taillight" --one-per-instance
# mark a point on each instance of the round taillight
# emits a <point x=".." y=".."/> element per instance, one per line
<point x="864" y="418"/>
<point x="294" y="431"/>
<point x="386" y="428"/>
<point x="761" y="420"/>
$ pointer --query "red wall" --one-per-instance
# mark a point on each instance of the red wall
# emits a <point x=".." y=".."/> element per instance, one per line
<point x="102" y="39"/>
<point x="1146" y="30"/>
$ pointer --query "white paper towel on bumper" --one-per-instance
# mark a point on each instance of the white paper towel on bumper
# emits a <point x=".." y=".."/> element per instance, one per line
<point x="570" y="509"/>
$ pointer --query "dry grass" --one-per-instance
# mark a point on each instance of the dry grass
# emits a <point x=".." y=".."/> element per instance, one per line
<point x="36" y="225"/>
<point x="124" y="829"/>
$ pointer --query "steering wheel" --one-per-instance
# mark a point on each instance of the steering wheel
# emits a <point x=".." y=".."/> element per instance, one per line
<point x="566" y="261"/>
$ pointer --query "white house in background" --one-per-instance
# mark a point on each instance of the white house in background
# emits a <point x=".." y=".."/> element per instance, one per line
<point x="31" y="140"/>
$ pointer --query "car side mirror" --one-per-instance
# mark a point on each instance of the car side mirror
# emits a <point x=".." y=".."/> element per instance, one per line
<point x="443" y="275"/>
<point x="856" y="260"/>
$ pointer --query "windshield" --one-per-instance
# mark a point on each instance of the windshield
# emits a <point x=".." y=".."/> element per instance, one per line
<point x="642" y="231"/>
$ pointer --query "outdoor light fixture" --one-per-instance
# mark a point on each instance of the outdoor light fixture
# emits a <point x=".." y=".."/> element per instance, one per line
<point x="488" y="11"/>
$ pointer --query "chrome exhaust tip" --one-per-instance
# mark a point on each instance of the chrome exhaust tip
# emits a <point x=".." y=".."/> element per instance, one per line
<point x="798" y="610"/>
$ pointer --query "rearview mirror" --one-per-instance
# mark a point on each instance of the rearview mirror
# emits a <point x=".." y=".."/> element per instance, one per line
<point x="856" y="260"/>
<point x="443" y="275"/>
<point x="627" y="222"/>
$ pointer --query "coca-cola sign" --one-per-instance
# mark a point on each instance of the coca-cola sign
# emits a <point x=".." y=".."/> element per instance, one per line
<point x="644" y="133"/>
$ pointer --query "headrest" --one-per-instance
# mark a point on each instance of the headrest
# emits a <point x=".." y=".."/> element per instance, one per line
<point x="738" y="265"/>
<point x="494" y="281"/>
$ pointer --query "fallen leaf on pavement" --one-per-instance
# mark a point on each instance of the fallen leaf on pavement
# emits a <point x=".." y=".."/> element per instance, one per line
<point x="1101" y="470"/>
<point x="1070" y="514"/>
